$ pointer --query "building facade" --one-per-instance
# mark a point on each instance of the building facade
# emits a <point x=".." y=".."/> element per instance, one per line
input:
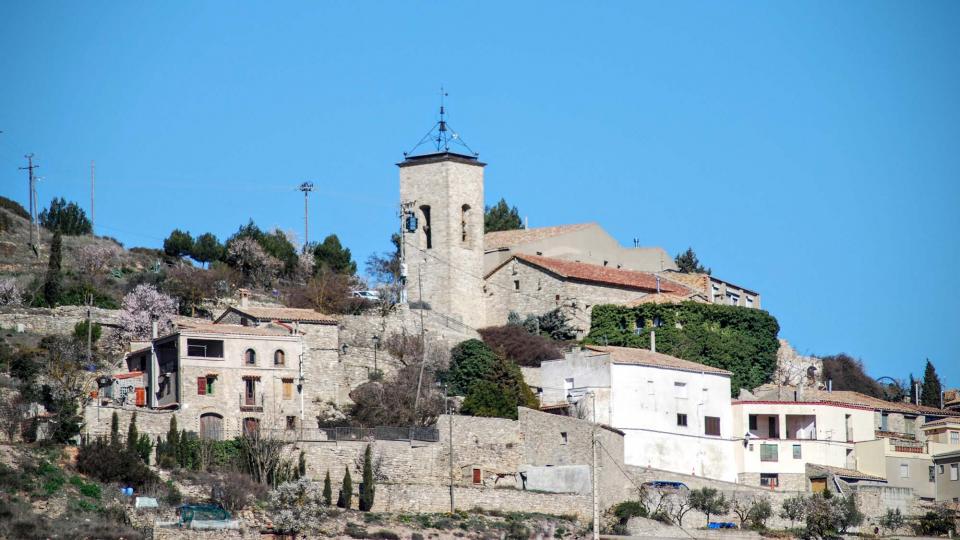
<point x="674" y="414"/>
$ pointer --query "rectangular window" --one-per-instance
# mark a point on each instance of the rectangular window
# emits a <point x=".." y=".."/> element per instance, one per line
<point x="904" y="470"/>
<point x="210" y="380"/>
<point x="651" y="388"/>
<point x="733" y="299"/>
<point x="711" y="425"/>
<point x="930" y="473"/>
<point x="680" y="389"/>
<point x="287" y="388"/>
<point x="291" y="423"/>
<point x="568" y="384"/>
<point x="772" y="431"/>
<point x="769" y="479"/>
<point x="954" y="472"/>
<point x="201" y="386"/>
<point x="940" y="469"/>
<point x="955" y="437"/>
<point x="797" y="451"/>
<point x="477" y="476"/>
<point x="749" y="301"/>
<point x="884" y="422"/>
<point x="769" y="452"/>
<point x="681" y="420"/>
<point x="516" y="284"/>
<point x="205" y="348"/>
<point x="909" y="425"/>
<point x="563" y="437"/>
<point x="753" y="422"/>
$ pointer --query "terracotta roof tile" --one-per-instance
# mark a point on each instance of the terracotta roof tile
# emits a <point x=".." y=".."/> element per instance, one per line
<point x="285" y="314"/>
<point x="848" y="397"/>
<point x="644" y="357"/>
<point x="847" y="473"/>
<point x="602" y="274"/>
<point x="505" y="239"/>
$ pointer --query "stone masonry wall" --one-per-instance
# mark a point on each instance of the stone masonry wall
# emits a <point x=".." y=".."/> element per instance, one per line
<point x="421" y="498"/>
<point x="58" y="320"/>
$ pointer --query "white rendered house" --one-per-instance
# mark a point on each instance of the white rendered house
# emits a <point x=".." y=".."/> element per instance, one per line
<point x="675" y="414"/>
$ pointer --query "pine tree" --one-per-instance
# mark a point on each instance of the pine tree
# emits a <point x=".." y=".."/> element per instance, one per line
<point x="52" y="286"/>
<point x="114" y="428"/>
<point x="331" y="255"/>
<point x="501" y="217"/>
<point x="368" y="489"/>
<point x="346" y="491"/>
<point x="132" y="435"/>
<point x="688" y="263"/>
<point x="930" y="391"/>
<point x="327" y="490"/>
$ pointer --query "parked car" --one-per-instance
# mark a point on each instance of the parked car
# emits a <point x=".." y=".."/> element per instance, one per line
<point x="367" y="295"/>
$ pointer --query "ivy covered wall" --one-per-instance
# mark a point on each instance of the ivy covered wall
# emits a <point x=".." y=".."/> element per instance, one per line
<point x="738" y="339"/>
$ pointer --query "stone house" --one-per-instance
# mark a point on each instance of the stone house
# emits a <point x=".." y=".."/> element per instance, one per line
<point x="534" y="284"/>
<point x="674" y="414"/>
<point x="716" y="290"/>
<point x="225" y="378"/>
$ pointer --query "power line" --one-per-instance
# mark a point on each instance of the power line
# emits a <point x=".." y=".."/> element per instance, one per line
<point x="34" y="217"/>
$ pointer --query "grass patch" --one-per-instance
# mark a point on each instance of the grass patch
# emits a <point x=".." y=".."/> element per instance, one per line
<point x="53" y="484"/>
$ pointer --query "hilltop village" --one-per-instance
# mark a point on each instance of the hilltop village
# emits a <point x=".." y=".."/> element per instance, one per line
<point x="549" y="370"/>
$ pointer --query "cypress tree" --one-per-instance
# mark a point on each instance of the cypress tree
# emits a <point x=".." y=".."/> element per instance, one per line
<point x="302" y="465"/>
<point x="114" y="428"/>
<point x="346" y="491"/>
<point x="913" y="390"/>
<point x="173" y="440"/>
<point x="52" y="286"/>
<point x="327" y="490"/>
<point x="183" y="452"/>
<point x="367" y="493"/>
<point x="132" y="435"/>
<point x="930" y="391"/>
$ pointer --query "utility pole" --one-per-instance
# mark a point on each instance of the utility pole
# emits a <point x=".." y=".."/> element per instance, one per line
<point x="93" y="209"/>
<point x="596" y="502"/>
<point x="446" y="403"/>
<point x="33" y="201"/>
<point x="89" y="332"/>
<point x="423" y="345"/>
<point x="404" y="229"/>
<point x="306" y="188"/>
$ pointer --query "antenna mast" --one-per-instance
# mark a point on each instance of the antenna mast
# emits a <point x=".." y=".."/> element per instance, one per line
<point x="306" y="188"/>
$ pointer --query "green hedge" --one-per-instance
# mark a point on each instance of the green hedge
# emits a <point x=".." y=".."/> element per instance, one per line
<point x="738" y="339"/>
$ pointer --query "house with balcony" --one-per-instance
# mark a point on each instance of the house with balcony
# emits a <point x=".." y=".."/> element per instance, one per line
<point x="675" y="414"/>
<point x="224" y="379"/>
<point x="778" y="438"/>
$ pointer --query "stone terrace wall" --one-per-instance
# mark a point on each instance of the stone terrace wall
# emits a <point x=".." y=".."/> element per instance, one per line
<point x="59" y="320"/>
<point x="419" y="498"/>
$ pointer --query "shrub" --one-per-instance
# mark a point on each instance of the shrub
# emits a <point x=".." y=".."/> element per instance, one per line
<point x="760" y="511"/>
<point x="113" y="463"/>
<point x="14" y="207"/>
<point x="936" y="522"/>
<point x="709" y="501"/>
<point x="383" y="534"/>
<point x="235" y="491"/>
<point x="354" y="530"/>
<point x="515" y="343"/>
<point x="891" y="520"/>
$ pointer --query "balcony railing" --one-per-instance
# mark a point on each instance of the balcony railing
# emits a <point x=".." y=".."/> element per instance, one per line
<point x="250" y="403"/>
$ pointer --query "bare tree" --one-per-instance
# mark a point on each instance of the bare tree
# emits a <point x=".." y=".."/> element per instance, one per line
<point x="680" y="505"/>
<point x="264" y="455"/>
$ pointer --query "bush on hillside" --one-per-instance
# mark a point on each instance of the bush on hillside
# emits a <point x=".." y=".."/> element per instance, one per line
<point x="847" y="373"/>
<point x="113" y="462"/>
<point x="14" y="207"/>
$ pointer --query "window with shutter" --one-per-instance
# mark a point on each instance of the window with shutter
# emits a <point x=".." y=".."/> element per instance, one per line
<point x="711" y="425"/>
<point x="201" y="386"/>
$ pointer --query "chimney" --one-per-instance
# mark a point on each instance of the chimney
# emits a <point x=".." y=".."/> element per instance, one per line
<point x="154" y="329"/>
<point x="244" y="297"/>
<point x="653" y="341"/>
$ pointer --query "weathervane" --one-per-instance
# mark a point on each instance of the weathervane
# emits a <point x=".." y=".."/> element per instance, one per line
<point x="441" y="134"/>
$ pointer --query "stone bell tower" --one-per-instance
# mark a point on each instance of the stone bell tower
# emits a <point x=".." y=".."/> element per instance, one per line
<point x="443" y="245"/>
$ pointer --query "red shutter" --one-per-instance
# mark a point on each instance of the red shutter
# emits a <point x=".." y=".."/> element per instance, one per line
<point x="201" y="386"/>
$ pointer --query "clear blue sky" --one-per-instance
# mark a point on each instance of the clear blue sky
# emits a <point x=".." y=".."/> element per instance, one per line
<point x="808" y="150"/>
